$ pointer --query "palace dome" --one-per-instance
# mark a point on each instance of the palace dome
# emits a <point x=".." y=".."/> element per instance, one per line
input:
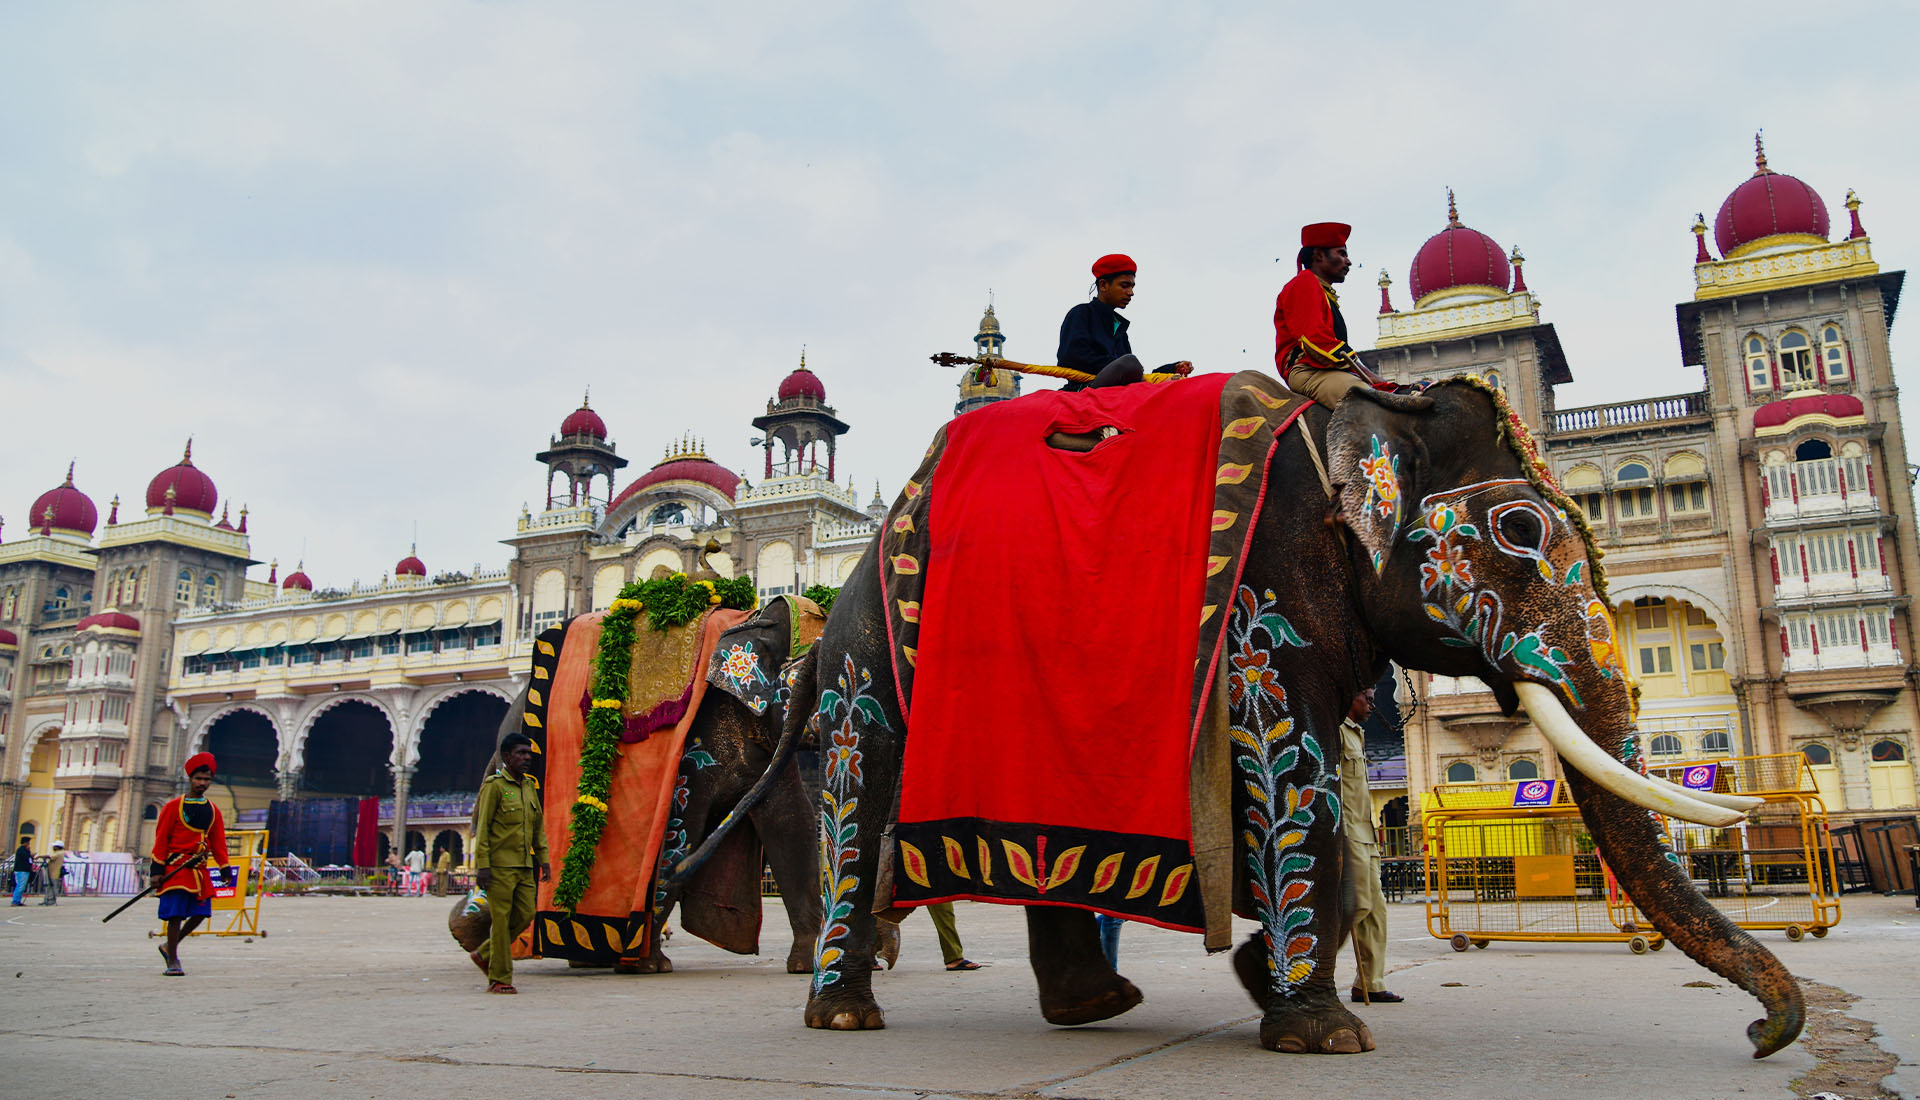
<point x="193" y="491"/>
<point x="1459" y="259"/>
<point x="1839" y="406"/>
<point x="410" y="566"/>
<point x="1769" y="205"/>
<point x="65" y="509"/>
<point x="297" y="579"/>
<point x="802" y="383"/>
<point x="109" y="620"/>
<point x="7" y="637"/>
<point x="584" y="421"/>
<point x="686" y="462"/>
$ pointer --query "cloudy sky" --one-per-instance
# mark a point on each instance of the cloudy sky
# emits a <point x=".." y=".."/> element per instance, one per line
<point x="369" y="254"/>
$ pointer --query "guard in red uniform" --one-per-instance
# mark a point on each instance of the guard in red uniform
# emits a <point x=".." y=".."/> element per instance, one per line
<point x="1309" y="334"/>
<point x="189" y="826"/>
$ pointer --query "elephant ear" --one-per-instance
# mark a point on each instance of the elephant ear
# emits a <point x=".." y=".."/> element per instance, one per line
<point x="1372" y="453"/>
<point x="747" y="661"/>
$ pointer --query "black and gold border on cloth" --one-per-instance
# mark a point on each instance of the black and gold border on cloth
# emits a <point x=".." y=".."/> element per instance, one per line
<point x="586" y="937"/>
<point x="533" y="720"/>
<point x="904" y="545"/>
<point x="1130" y="875"/>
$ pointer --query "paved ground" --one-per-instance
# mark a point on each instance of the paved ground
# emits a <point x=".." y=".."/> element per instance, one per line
<point x="368" y="998"/>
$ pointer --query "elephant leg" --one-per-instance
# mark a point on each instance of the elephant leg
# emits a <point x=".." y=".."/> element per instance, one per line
<point x="1289" y="807"/>
<point x="1077" y="984"/>
<point x="861" y="738"/>
<point x="787" y="826"/>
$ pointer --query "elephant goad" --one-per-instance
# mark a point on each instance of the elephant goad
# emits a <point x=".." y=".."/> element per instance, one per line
<point x="724" y="711"/>
<point x="1220" y="574"/>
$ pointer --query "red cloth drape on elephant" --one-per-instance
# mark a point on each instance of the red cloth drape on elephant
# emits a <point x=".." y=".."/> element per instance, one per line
<point x="1050" y="739"/>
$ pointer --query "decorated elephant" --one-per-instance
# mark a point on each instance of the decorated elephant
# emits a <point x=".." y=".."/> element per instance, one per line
<point x="1137" y="714"/>
<point x="731" y="725"/>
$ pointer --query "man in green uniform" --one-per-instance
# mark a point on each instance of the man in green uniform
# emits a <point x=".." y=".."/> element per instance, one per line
<point x="509" y="841"/>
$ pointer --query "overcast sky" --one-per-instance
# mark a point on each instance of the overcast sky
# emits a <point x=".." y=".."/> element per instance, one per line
<point x="369" y="254"/>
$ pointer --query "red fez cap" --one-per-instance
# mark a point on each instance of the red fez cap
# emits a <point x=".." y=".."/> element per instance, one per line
<point x="200" y="760"/>
<point x="1113" y="264"/>
<point x="1324" y="235"/>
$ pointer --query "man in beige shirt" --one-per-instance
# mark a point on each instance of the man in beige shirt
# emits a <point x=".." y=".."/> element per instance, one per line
<point x="1363" y="860"/>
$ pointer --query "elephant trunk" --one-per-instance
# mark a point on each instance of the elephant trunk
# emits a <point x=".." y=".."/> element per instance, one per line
<point x="1639" y="857"/>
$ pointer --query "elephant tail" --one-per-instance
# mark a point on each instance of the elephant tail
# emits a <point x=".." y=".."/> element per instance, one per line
<point x="792" y="730"/>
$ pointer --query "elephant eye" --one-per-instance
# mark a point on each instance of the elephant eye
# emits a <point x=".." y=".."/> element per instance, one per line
<point x="1521" y="528"/>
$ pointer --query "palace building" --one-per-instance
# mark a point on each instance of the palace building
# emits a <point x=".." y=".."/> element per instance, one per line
<point x="1758" y="527"/>
<point x="125" y="652"/>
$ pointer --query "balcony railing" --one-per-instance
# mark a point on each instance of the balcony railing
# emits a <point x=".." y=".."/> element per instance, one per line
<point x="1626" y="414"/>
<point x="1820" y="487"/>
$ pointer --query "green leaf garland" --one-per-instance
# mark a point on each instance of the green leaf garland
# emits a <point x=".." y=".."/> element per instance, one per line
<point x="669" y="602"/>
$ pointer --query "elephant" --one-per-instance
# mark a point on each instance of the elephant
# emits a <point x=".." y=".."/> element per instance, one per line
<point x="729" y="747"/>
<point x="1411" y="527"/>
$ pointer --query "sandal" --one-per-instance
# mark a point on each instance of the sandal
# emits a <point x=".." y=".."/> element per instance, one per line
<point x="963" y="964"/>
<point x="501" y="987"/>
<point x="173" y="965"/>
<point x="477" y="960"/>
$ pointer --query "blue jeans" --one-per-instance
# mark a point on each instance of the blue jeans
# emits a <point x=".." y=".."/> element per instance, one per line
<point x="1109" y="937"/>
<point x="20" y="886"/>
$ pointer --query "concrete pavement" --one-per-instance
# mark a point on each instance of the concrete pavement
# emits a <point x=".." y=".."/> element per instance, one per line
<point x="368" y="997"/>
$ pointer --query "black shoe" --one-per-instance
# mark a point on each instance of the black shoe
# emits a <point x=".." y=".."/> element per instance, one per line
<point x="1378" y="997"/>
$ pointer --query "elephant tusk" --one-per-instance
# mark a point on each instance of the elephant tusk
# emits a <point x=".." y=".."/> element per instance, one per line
<point x="1745" y="803"/>
<point x="1594" y="762"/>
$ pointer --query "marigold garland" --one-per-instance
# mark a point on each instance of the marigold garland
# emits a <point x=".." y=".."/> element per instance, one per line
<point x="669" y="602"/>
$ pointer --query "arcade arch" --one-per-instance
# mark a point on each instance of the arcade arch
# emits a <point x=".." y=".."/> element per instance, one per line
<point x="455" y="741"/>
<point x="347" y="749"/>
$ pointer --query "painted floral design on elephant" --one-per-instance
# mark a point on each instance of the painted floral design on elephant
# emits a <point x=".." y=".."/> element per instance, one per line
<point x="740" y="664"/>
<point x="1283" y="771"/>
<point x="676" y="841"/>
<point x="842" y="711"/>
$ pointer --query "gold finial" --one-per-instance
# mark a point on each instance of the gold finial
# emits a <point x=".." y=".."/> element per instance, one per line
<point x="1453" y="211"/>
<point x="171" y="494"/>
<point x="1385" y="279"/>
<point x="1853" y="203"/>
<point x="1759" y="155"/>
<point x="187" y="458"/>
<point x="1516" y="258"/>
<point x="1699" y="225"/>
<point x="70" y="462"/>
<point x="803" y="357"/>
<point x="584" y="395"/>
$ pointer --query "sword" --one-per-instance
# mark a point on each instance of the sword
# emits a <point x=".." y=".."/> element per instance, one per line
<point x="167" y="871"/>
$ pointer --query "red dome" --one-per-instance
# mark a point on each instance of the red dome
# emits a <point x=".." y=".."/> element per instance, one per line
<point x="64" y="508"/>
<point x="584" y="421"/>
<point x="193" y="491"/>
<point x="297" y="579"/>
<point x="410" y="566"/>
<point x="703" y="470"/>
<point x="110" y="620"/>
<point x="1768" y="204"/>
<point x="802" y="383"/>
<point x="1837" y="405"/>
<point x="1458" y="257"/>
<point x="7" y="637"/>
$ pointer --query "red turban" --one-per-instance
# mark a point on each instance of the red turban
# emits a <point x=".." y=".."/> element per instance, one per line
<point x="1324" y="235"/>
<point x="1113" y="264"/>
<point x="200" y="760"/>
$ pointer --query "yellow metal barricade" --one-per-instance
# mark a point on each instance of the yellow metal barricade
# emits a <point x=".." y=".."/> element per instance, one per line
<point x="1529" y="873"/>
<point x="1776" y="869"/>
<point x="236" y="893"/>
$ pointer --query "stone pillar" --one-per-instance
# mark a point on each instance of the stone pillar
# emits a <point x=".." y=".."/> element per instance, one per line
<point x="1856" y="786"/>
<point x="289" y="778"/>
<point x="402" y="780"/>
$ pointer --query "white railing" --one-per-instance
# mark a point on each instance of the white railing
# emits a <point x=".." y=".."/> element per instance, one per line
<point x="1626" y="413"/>
<point x="1820" y="487"/>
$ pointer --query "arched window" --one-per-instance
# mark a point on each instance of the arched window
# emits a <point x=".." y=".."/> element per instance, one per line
<point x="1664" y="745"/>
<point x="1759" y="371"/>
<point x="1716" y="742"/>
<point x="1461" y="772"/>
<point x="62" y="599"/>
<point x="1888" y="752"/>
<point x="183" y="588"/>
<point x="1523" y="769"/>
<point x="27" y="829"/>
<point x="670" y="514"/>
<point x="1833" y="354"/>
<point x="1582" y="482"/>
<point x="1634" y="503"/>
<point x="1796" y="359"/>
<point x="210" y="588"/>
<point x="1818" y="755"/>
<point x="1493" y="379"/>
<point x="151" y="813"/>
<point x="1686" y="484"/>
<point x="1812" y="449"/>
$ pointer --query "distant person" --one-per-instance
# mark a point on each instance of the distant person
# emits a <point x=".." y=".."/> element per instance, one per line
<point x="1093" y="337"/>
<point x="1363" y="860"/>
<point x="188" y="833"/>
<point x="53" y="867"/>
<point x="509" y="842"/>
<point x="949" y="934"/>
<point x="22" y="871"/>
<point x="416" y="872"/>
<point x="443" y="873"/>
<point x="1109" y="937"/>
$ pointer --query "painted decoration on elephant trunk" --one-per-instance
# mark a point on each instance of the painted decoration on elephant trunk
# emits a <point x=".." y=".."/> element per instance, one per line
<point x="842" y="711"/>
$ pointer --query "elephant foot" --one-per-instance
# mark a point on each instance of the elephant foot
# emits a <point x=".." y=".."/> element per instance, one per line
<point x="1328" y="1031"/>
<point x="847" y="1011"/>
<point x="1103" y="1004"/>
<point x="656" y="963"/>
<point x="800" y="959"/>
<point x="1250" y="966"/>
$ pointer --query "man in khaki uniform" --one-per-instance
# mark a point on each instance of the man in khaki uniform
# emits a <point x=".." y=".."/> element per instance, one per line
<point x="509" y="841"/>
<point x="1363" y="860"/>
<point x="53" y="866"/>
